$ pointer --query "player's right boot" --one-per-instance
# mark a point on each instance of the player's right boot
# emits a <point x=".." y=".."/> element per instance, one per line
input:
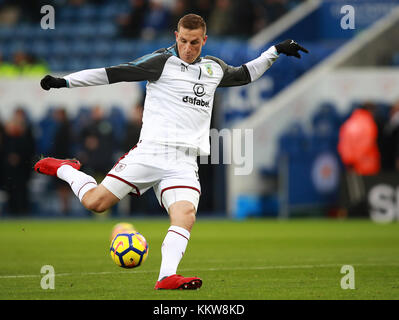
<point x="178" y="282"/>
<point x="49" y="166"/>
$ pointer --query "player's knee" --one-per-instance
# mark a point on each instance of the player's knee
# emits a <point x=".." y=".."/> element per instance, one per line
<point x="190" y="215"/>
<point x="183" y="214"/>
<point x="99" y="199"/>
<point x="189" y="218"/>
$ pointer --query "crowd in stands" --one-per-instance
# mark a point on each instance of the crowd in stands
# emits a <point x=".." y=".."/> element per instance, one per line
<point x="224" y="17"/>
<point x="95" y="137"/>
<point x="141" y="18"/>
<point x="22" y="64"/>
<point x="369" y="139"/>
<point x="366" y="138"/>
<point x="86" y="30"/>
<point x="16" y="154"/>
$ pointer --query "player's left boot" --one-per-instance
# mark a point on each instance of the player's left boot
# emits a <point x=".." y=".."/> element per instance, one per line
<point x="49" y="166"/>
<point x="178" y="282"/>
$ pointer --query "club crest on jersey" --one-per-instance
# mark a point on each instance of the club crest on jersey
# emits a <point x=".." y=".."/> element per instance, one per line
<point x="208" y="68"/>
<point x="119" y="167"/>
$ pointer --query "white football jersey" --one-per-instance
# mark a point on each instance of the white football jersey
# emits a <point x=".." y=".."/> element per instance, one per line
<point x="179" y="96"/>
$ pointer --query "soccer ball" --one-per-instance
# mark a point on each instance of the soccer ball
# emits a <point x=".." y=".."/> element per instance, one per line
<point x="122" y="227"/>
<point x="129" y="249"/>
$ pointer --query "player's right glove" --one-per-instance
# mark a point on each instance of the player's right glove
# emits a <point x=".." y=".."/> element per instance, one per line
<point x="290" y="48"/>
<point x="49" y="82"/>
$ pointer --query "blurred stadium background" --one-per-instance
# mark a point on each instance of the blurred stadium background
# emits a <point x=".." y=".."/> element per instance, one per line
<point x="296" y="109"/>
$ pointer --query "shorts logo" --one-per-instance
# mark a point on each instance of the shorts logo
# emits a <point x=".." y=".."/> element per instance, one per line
<point x="119" y="167"/>
<point x="199" y="90"/>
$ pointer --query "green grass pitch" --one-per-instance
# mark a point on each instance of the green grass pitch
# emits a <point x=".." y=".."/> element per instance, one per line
<point x="248" y="260"/>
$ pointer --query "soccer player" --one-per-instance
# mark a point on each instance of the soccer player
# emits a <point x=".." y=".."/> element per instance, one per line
<point x="175" y="130"/>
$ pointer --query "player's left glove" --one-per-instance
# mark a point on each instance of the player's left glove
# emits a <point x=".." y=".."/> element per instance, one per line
<point x="290" y="48"/>
<point x="49" y="82"/>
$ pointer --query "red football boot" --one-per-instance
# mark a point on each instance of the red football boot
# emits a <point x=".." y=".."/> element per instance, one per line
<point x="50" y="166"/>
<point x="178" y="282"/>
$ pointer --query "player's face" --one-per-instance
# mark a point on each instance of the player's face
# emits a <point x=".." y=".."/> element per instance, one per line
<point x="189" y="43"/>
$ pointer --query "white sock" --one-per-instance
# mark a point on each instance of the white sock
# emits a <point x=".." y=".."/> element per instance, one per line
<point x="79" y="181"/>
<point x="173" y="248"/>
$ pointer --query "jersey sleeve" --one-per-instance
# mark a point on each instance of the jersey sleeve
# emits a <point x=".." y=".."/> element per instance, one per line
<point x="249" y="72"/>
<point x="232" y="76"/>
<point x="146" y="68"/>
<point x="259" y="66"/>
<point x="87" y="78"/>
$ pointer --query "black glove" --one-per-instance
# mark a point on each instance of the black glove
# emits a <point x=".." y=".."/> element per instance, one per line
<point x="50" y="82"/>
<point x="290" y="48"/>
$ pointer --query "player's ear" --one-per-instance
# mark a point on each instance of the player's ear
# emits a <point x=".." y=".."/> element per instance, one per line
<point x="176" y="34"/>
<point x="204" y="39"/>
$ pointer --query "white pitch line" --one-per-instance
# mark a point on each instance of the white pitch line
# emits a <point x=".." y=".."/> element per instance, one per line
<point x="303" y="266"/>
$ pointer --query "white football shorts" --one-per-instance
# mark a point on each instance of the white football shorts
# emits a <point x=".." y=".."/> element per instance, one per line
<point x="171" y="171"/>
